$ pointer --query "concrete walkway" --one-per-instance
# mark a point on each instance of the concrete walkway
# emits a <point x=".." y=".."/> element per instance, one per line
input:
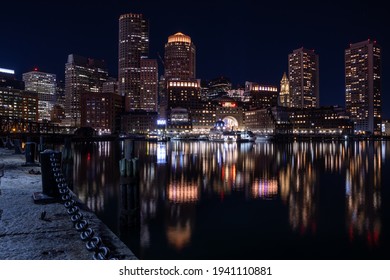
<point x="24" y="235"/>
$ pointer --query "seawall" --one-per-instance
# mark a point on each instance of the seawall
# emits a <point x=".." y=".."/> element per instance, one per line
<point x="30" y="231"/>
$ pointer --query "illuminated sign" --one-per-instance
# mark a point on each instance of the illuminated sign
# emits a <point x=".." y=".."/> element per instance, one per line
<point x="7" y="71"/>
<point x="161" y="122"/>
<point x="229" y="104"/>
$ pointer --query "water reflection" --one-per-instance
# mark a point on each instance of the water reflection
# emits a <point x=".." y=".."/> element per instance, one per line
<point x="363" y="193"/>
<point x="179" y="186"/>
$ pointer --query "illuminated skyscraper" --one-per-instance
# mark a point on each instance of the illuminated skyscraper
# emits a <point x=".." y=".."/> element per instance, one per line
<point x="45" y="85"/>
<point x="179" y="58"/>
<point x="303" y="71"/>
<point x="82" y="75"/>
<point x="133" y="45"/>
<point x="363" y="86"/>
<point x="149" y="84"/>
<point x="284" y="95"/>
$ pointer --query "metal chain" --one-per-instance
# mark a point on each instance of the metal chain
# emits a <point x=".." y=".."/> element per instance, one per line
<point x="93" y="242"/>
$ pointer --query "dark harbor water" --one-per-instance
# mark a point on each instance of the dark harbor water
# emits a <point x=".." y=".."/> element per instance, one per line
<point x="201" y="200"/>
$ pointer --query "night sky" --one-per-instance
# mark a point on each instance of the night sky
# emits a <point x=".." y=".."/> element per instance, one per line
<point x="245" y="40"/>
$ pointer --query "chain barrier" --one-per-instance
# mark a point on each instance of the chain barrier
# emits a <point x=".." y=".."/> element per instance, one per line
<point x="93" y="243"/>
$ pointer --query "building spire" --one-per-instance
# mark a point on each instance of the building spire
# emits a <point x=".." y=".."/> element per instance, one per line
<point x="284" y="95"/>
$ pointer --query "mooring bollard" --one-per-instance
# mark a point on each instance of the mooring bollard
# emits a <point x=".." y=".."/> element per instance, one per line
<point x="49" y="184"/>
<point x="30" y="153"/>
<point x="18" y="147"/>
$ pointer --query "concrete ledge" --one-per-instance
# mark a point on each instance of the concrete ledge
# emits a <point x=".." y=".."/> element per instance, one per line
<point x="24" y="235"/>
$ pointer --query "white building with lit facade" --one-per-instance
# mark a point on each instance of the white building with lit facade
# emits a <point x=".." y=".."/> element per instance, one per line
<point x="45" y="84"/>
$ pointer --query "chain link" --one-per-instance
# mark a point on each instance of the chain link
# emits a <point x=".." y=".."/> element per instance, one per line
<point x="87" y="234"/>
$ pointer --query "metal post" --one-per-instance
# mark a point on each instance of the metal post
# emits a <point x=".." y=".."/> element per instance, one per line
<point x="30" y="153"/>
<point x="49" y="184"/>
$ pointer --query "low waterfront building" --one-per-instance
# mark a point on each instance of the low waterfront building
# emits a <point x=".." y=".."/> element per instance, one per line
<point x="203" y="116"/>
<point x="102" y="111"/>
<point x="385" y="127"/>
<point x="179" y="121"/>
<point x="268" y="121"/>
<point x="139" y="122"/>
<point x="311" y="121"/>
<point x="322" y="121"/>
<point x="230" y="111"/>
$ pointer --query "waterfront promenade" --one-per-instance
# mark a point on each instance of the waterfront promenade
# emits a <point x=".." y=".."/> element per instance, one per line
<point x="30" y="231"/>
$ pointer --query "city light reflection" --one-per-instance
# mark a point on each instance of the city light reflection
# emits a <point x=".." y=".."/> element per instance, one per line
<point x="307" y="179"/>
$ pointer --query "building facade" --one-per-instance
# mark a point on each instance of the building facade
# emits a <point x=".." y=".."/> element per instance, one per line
<point x="203" y="116"/>
<point x="8" y="79"/>
<point x="231" y="112"/>
<point x="110" y="86"/>
<point x="268" y="121"/>
<point x="179" y="121"/>
<point x="17" y="109"/>
<point x="149" y="85"/>
<point x="261" y="96"/>
<point x="82" y="75"/>
<point x="180" y="58"/>
<point x="45" y="84"/>
<point x="303" y="68"/>
<point x="363" y="86"/>
<point x="218" y="87"/>
<point x="183" y="93"/>
<point x="321" y="121"/>
<point x="102" y="112"/>
<point x="139" y="122"/>
<point x="331" y="120"/>
<point x="133" y="46"/>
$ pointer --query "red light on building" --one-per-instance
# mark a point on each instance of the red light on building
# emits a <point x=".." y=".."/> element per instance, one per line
<point x="229" y="104"/>
<point x="35" y="68"/>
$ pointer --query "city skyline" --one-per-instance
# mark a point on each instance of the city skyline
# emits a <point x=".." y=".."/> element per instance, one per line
<point x="250" y="42"/>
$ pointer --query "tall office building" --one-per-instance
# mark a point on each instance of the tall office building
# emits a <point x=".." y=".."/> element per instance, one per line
<point x="179" y="58"/>
<point x="284" y="94"/>
<point x="363" y="86"/>
<point x="133" y="46"/>
<point x="303" y="71"/>
<point x="82" y="75"/>
<point x="45" y="84"/>
<point x="149" y="85"/>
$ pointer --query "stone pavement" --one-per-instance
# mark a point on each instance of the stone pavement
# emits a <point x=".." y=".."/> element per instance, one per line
<point x="26" y="235"/>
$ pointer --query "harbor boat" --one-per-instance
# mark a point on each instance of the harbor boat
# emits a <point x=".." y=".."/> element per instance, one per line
<point x="263" y="138"/>
<point x="219" y="133"/>
<point x="247" y="136"/>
